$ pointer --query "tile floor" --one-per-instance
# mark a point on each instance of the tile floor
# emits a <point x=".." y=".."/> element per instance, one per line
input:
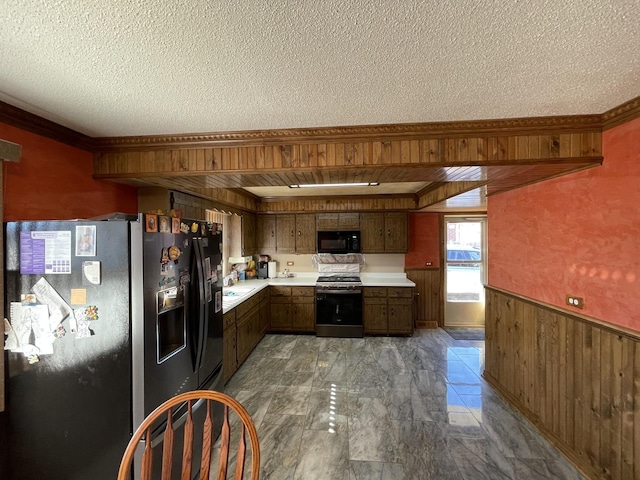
<point x="386" y="408"/>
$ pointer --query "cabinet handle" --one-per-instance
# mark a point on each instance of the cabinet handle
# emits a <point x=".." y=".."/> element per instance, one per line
<point x="292" y="234"/>
<point x="299" y="233"/>
<point x="388" y="233"/>
<point x="380" y="232"/>
<point x="272" y="233"/>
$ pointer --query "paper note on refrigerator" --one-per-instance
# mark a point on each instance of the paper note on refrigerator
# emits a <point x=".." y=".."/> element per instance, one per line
<point x="45" y="293"/>
<point x="32" y="328"/>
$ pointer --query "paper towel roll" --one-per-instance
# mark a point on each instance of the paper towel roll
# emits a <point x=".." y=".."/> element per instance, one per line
<point x="272" y="270"/>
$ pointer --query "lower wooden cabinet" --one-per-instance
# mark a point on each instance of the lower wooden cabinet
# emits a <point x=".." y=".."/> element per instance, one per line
<point x="388" y="311"/>
<point x="229" y="346"/>
<point x="265" y="311"/>
<point x="293" y="309"/>
<point x="244" y="327"/>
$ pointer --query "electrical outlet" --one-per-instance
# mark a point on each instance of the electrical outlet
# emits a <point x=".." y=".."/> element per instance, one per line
<point x="289" y="264"/>
<point x="574" y="301"/>
<point x="427" y="264"/>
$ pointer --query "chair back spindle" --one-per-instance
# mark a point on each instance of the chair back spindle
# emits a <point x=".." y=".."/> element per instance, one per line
<point x="144" y="434"/>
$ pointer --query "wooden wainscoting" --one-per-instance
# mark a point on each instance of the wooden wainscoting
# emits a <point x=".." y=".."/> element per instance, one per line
<point x="429" y="302"/>
<point x="576" y="379"/>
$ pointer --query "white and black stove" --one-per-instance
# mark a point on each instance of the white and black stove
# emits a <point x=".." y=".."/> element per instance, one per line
<point x="339" y="306"/>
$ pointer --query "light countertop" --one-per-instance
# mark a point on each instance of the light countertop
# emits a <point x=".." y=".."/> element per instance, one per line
<point x="241" y="291"/>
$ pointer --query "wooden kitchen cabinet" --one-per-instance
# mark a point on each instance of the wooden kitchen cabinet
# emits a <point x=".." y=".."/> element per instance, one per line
<point x="296" y="233"/>
<point x="372" y="232"/>
<point x="388" y="310"/>
<point x="286" y="233"/>
<point x="265" y="311"/>
<point x="338" y="221"/>
<point x="229" y="346"/>
<point x="248" y="324"/>
<point x="266" y="234"/>
<point x="384" y="232"/>
<point x="396" y="230"/>
<point x="374" y="315"/>
<point x="249" y="225"/>
<point x="293" y="309"/>
<point x="305" y="233"/>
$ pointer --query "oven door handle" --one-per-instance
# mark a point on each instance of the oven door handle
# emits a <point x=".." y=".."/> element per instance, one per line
<point x="342" y="292"/>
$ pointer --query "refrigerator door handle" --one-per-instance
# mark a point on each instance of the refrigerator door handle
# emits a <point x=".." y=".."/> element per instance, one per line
<point x="205" y="303"/>
<point x="201" y="302"/>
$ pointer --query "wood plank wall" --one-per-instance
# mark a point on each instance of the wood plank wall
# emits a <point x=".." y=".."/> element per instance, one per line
<point x="309" y="154"/>
<point x="429" y="301"/>
<point x="576" y="379"/>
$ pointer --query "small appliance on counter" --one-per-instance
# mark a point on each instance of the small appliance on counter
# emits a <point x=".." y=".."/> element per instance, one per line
<point x="263" y="266"/>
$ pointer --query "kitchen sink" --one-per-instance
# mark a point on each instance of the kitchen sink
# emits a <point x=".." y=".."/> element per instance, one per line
<point x="236" y="292"/>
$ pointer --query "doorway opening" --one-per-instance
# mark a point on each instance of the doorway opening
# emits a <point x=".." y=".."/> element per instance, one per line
<point x="465" y="270"/>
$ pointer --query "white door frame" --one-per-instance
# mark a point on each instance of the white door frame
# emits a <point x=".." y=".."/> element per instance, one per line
<point x="465" y="312"/>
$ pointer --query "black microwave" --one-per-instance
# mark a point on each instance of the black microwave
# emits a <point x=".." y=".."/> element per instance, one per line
<point x="339" y="242"/>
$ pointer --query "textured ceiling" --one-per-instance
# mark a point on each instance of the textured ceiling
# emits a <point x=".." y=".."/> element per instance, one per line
<point x="136" y="67"/>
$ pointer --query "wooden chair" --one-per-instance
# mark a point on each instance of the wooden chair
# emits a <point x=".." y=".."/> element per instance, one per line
<point x="143" y="434"/>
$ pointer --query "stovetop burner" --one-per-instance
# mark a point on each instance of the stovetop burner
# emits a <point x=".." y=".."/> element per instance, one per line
<point x="339" y="279"/>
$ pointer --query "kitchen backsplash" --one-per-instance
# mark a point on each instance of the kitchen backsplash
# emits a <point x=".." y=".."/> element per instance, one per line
<point x="374" y="263"/>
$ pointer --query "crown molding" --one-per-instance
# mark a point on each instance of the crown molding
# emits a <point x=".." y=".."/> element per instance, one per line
<point x="19" y="118"/>
<point x="405" y="131"/>
<point x="512" y="126"/>
<point x="621" y="114"/>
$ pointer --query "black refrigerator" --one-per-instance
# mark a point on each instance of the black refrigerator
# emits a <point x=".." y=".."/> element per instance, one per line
<point x="109" y="318"/>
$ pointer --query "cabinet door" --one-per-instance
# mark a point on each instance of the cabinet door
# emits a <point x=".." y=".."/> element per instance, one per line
<point x="229" y="345"/>
<point x="327" y="221"/>
<point x="244" y="339"/>
<point x="306" y="233"/>
<point x="372" y="232"/>
<point x="349" y="221"/>
<point x="395" y="232"/>
<point x="375" y="315"/>
<point x="248" y="234"/>
<point x="400" y="316"/>
<point x="280" y="316"/>
<point x="265" y="314"/>
<point x="303" y="317"/>
<point x="266" y="233"/>
<point x="285" y="233"/>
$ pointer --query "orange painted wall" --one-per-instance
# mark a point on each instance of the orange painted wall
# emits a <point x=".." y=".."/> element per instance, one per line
<point x="578" y="234"/>
<point x="424" y="241"/>
<point x="54" y="181"/>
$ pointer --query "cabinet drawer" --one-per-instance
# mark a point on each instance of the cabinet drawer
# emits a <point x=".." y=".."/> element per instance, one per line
<point x="303" y="299"/>
<point x="229" y="319"/>
<point x="247" y="306"/>
<point x="400" y="292"/>
<point x="303" y="291"/>
<point x="377" y="292"/>
<point x="277" y="291"/>
<point x="375" y="301"/>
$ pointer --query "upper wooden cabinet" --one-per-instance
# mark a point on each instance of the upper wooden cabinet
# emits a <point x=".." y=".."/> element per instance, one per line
<point x="296" y="233"/>
<point x="384" y="232"/>
<point x="338" y="221"/>
<point x="248" y="234"/>
<point x="286" y="233"/>
<point x="305" y="233"/>
<point x="266" y="234"/>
